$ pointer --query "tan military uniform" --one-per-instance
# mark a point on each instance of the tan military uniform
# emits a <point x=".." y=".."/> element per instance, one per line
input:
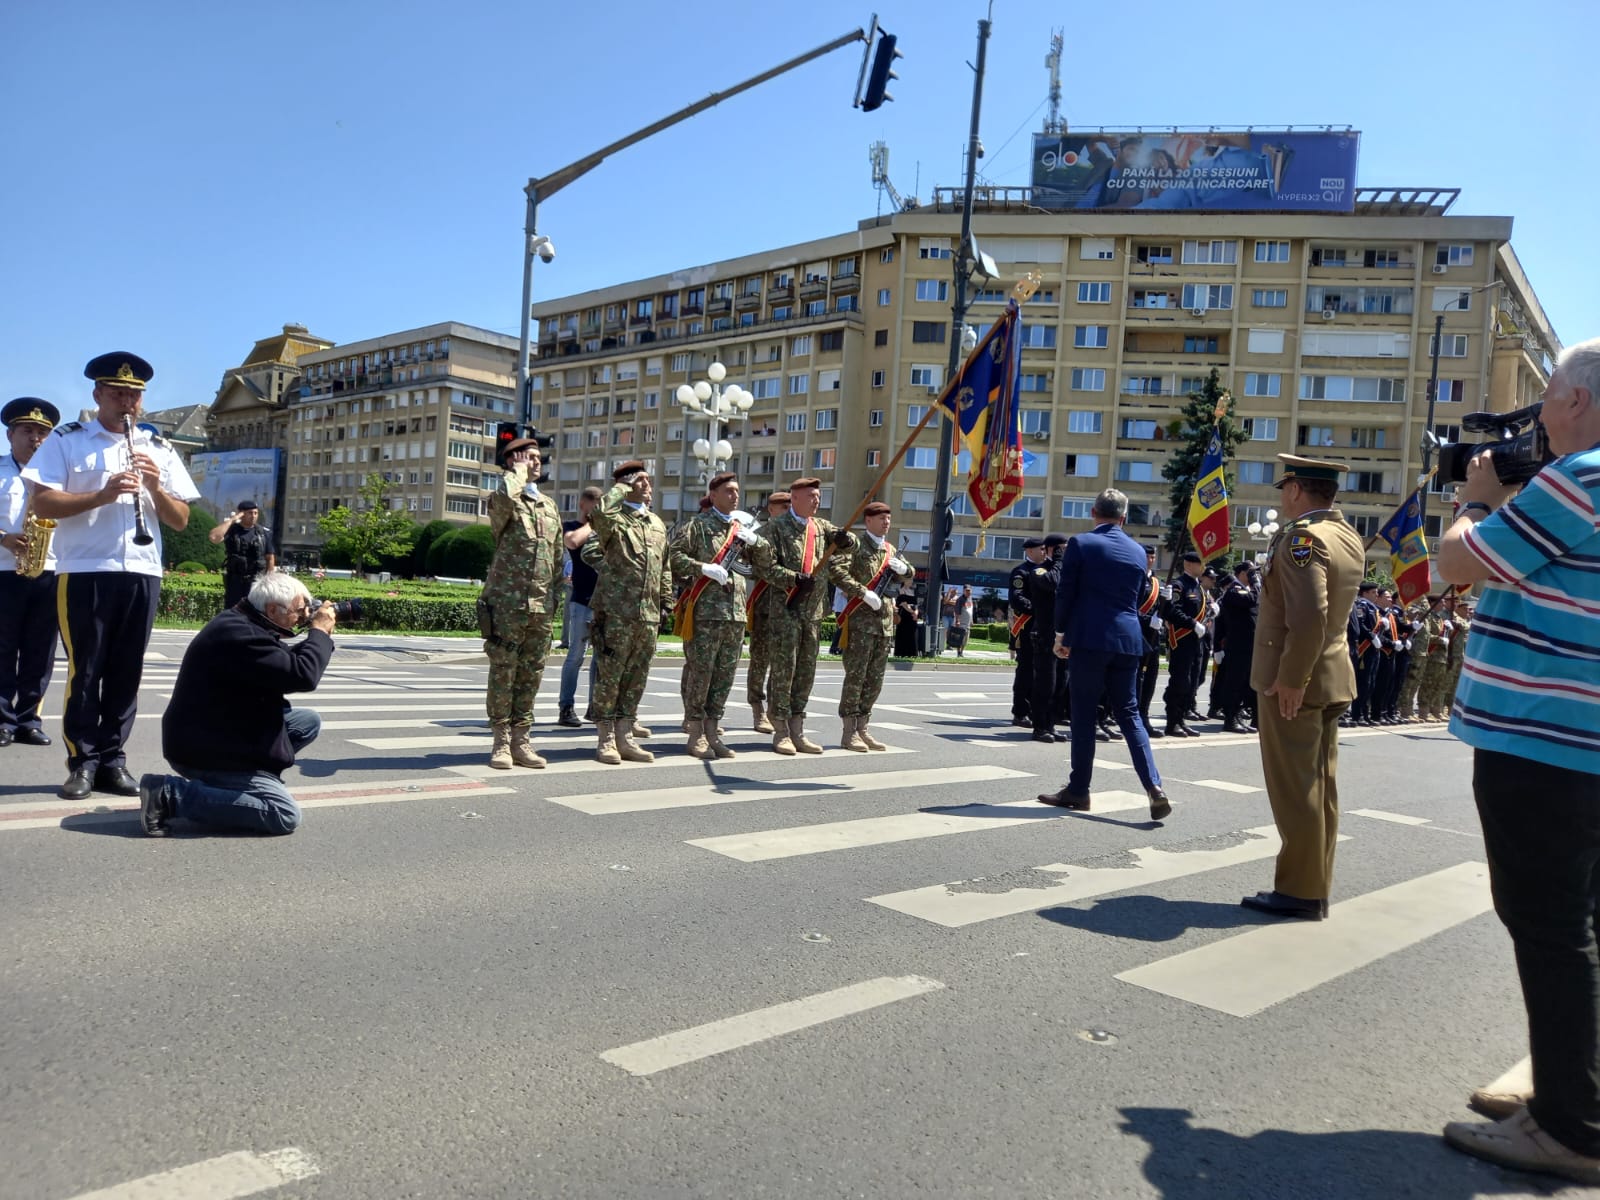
<point x="1313" y="568"/>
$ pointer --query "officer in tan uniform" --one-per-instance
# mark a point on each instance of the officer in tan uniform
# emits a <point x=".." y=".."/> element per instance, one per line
<point x="1305" y="680"/>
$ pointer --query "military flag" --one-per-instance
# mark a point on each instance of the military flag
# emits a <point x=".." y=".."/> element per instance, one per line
<point x="1208" y="507"/>
<point x="982" y="401"/>
<point x="1408" y="550"/>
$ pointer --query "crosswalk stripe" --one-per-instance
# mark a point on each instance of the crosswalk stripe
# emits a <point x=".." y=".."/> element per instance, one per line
<point x="758" y="753"/>
<point x="227" y="1177"/>
<point x="1249" y="972"/>
<point x="955" y="905"/>
<point x="764" y="1024"/>
<point x="1392" y="818"/>
<point x="1222" y="785"/>
<point x="745" y="790"/>
<point x="877" y="831"/>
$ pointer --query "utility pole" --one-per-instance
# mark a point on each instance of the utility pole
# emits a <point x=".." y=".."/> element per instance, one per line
<point x="1427" y="433"/>
<point x="964" y="262"/>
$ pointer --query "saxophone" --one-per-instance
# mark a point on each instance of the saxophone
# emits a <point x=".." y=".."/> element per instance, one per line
<point x="38" y="531"/>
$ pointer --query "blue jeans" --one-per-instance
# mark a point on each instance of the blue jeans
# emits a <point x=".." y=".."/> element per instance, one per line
<point x="252" y="801"/>
<point x="576" y="631"/>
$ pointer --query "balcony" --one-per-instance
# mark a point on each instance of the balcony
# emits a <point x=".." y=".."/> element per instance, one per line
<point x="719" y="307"/>
<point x="643" y="322"/>
<point x="748" y="302"/>
<point x="615" y="325"/>
<point x="813" y="289"/>
<point x="847" y="283"/>
<point x="781" y="292"/>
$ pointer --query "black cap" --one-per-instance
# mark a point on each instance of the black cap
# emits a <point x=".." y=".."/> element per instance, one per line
<point x="1192" y="556"/>
<point x="31" y="410"/>
<point x="1365" y="586"/>
<point x="1052" y="540"/>
<point x="1211" y="571"/>
<point x="1032" y="543"/>
<point x="244" y="504"/>
<point x="120" y="369"/>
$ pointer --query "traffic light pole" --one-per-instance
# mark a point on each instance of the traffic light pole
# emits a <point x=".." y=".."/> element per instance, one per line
<point x="1427" y="430"/>
<point x="934" y="606"/>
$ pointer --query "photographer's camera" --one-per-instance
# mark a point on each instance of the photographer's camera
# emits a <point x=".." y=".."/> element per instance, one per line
<point x="345" y="610"/>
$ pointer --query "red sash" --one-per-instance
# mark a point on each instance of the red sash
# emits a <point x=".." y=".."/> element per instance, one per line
<point x="1393" y="627"/>
<point x="1018" y="623"/>
<point x="755" y="594"/>
<point x="683" y="610"/>
<point x="808" y="555"/>
<point x="856" y="602"/>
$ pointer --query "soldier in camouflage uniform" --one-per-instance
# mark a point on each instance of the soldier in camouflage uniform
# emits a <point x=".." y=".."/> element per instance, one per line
<point x="1458" y="655"/>
<point x="756" y="609"/>
<point x="1433" y="651"/>
<point x="867" y="574"/>
<point x="801" y="545"/>
<point x="518" y="602"/>
<point x="629" y="549"/>
<point x="710" y="612"/>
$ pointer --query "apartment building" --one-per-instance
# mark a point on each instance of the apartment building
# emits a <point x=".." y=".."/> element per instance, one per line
<point x="1321" y="325"/>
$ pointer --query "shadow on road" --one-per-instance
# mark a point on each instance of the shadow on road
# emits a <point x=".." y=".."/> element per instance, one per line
<point x="1150" y="918"/>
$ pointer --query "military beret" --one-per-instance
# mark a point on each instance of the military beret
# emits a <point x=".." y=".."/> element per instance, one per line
<point x="804" y="483"/>
<point x="1032" y="543"/>
<point x="519" y="444"/>
<point x="121" y="369"/>
<point x="1192" y="556"/>
<point x="632" y="467"/>
<point x="32" y="410"/>
<point x="876" y="509"/>
<point x="247" y="504"/>
<point x="1056" y="539"/>
<point x="1295" y="468"/>
<point x="720" y="478"/>
<point x="778" y="498"/>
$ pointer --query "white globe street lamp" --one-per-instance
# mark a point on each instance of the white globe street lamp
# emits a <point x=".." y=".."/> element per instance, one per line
<point x="720" y="406"/>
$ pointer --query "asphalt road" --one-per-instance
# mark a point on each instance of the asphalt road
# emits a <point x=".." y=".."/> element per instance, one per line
<point x="885" y="975"/>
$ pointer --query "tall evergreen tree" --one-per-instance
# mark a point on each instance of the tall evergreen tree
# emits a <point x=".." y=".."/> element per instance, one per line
<point x="1193" y="431"/>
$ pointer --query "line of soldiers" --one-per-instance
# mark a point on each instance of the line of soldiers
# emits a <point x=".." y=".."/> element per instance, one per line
<point x="722" y="571"/>
<point x="1407" y="661"/>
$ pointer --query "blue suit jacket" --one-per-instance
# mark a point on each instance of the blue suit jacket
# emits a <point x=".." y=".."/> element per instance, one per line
<point x="1102" y="582"/>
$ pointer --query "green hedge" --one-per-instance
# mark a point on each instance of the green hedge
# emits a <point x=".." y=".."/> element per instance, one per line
<point x="414" y="608"/>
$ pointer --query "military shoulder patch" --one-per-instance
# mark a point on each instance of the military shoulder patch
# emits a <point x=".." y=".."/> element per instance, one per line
<point x="1300" y="548"/>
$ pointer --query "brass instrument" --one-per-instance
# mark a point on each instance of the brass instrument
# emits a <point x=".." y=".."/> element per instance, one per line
<point x="141" y="531"/>
<point x="37" y="531"/>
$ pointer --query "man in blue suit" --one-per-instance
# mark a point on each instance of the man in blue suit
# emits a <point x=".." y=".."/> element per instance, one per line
<point x="1104" y="585"/>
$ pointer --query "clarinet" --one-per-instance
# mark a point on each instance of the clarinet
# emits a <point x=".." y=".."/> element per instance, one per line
<point x="141" y="532"/>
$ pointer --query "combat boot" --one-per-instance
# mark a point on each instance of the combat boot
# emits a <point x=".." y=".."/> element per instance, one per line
<point x="500" y="755"/>
<point x="606" y="751"/>
<point x="522" y="753"/>
<point x="797" y="735"/>
<point x="699" y="747"/>
<point x="714" y="739"/>
<point x="780" y="737"/>
<point x="763" y="724"/>
<point x="861" y="732"/>
<point x="852" y="740"/>
<point x="630" y="750"/>
<point x="637" y="730"/>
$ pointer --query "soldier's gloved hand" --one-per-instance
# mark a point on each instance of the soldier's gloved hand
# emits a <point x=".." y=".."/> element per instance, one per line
<point x="899" y="565"/>
<point x="1217" y="657"/>
<point x="747" y="536"/>
<point x="717" y="574"/>
<point x="1199" y="629"/>
<point x="842" y="539"/>
<point x="802" y="590"/>
<point x="872" y="600"/>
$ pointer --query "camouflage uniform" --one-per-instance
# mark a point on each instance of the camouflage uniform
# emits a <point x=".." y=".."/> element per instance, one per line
<point x="760" y="666"/>
<point x="792" y="634"/>
<point x="1458" y="655"/>
<point x="1427" y="665"/>
<point x="519" y="596"/>
<point x="629" y="549"/>
<point x="869" y="634"/>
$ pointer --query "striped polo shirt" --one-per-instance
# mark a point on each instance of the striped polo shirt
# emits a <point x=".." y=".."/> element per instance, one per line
<point x="1530" y="685"/>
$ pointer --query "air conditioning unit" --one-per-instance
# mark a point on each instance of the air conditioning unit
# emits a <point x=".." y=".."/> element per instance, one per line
<point x="1040" y="437"/>
<point x="1439" y="268"/>
<point x="1197" y="312"/>
<point x="1328" y="314"/>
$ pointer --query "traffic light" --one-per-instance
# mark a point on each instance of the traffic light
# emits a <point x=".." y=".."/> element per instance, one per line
<point x="505" y="433"/>
<point x="880" y="74"/>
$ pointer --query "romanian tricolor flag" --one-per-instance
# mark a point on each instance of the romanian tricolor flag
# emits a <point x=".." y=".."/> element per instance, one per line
<point x="982" y="400"/>
<point x="1408" y="550"/>
<point x="1208" y="508"/>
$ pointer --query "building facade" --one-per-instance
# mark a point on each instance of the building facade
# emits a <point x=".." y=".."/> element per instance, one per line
<point x="1320" y="324"/>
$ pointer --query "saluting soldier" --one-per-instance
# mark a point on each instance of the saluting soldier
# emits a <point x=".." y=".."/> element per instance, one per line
<point x="631" y="598"/>
<point x="755" y="607"/>
<point x="103" y="485"/>
<point x="870" y="574"/>
<point x="709" y="615"/>
<point x="27" y="603"/>
<point x="1021" y="609"/>
<point x="1304" y="681"/>
<point x="248" y="544"/>
<point x="802" y="542"/>
<point x="516" y="609"/>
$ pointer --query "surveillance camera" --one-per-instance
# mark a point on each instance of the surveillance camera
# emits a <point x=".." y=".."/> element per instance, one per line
<point x="544" y="248"/>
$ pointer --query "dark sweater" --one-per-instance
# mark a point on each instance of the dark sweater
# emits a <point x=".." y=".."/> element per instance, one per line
<point x="226" y="711"/>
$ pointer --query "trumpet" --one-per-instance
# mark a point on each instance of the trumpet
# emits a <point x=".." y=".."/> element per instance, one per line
<point x="37" y="532"/>
<point x="141" y="531"/>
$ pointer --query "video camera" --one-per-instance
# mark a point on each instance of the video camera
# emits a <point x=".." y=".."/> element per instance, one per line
<point x="345" y="610"/>
<point x="1520" y="453"/>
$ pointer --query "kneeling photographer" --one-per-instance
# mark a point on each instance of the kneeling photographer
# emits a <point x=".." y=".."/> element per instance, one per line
<point x="228" y="731"/>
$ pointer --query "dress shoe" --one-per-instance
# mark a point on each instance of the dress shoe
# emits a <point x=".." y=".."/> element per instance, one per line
<point x="1519" y="1142"/>
<point x="78" y="785"/>
<point x="569" y="717"/>
<point x="116" y="780"/>
<point x="1150" y="731"/>
<point x="6" y="737"/>
<point x="1044" y="735"/>
<point x="1193" y="715"/>
<point x="1277" y="904"/>
<point x="1022" y="722"/>
<point x="1111" y="731"/>
<point x="1100" y="734"/>
<point x="32" y="737"/>
<point x="1177" y="731"/>
<point x="1065" y="799"/>
<point x="1160" y="806"/>
<point x="1234" y="725"/>
<point x="155" y="807"/>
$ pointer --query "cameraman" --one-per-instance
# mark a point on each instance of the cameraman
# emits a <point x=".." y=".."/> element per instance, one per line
<point x="228" y="731"/>
<point x="1529" y="706"/>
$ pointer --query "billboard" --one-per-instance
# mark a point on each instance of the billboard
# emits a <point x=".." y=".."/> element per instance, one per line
<point x="1270" y="170"/>
<point x="226" y="477"/>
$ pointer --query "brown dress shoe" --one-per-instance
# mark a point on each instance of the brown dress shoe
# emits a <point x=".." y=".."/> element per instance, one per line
<point x="1065" y="799"/>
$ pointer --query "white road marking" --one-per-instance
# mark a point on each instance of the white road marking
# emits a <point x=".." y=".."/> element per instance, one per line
<point x="945" y="905"/>
<point x="962" y="695"/>
<point x="1518" y="1079"/>
<point x="764" y="1024"/>
<point x="877" y="831"/>
<point x="1223" y="785"/>
<point x="241" y="1173"/>
<point x="1393" y="818"/>
<point x="1249" y="972"/>
<point x="745" y="790"/>
<point x="749" y="752"/>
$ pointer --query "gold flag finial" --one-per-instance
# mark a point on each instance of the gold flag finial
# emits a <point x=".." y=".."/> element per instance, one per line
<point x="1026" y="287"/>
<point x="1222" y="407"/>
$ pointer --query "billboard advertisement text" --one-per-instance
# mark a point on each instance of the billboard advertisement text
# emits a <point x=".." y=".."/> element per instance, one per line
<point x="227" y="477"/>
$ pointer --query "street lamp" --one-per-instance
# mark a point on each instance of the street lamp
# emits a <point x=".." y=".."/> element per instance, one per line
<point x="1264" y="533"/>
<point x="720" y="406"/>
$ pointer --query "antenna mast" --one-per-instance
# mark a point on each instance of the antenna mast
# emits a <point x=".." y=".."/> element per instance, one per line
<point x="1053" y="122"/>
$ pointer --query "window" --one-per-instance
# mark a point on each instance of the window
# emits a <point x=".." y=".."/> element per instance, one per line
<point x="1136" y="471"/>
<point x="877" y="379"/>
<point x="1100" y="249"/>
<point x="827" y="418"/>
<point x="1269" y="297"/>
<point x="1272" y="252"/>
<point x="1454" y="345"/>
<point x="1450" y="300"/>
<point x="1450" y="391"/>
<point x="680" y="362"/>
<point x="1328" y="257"/>
<point x="883" y="297"/>
<point x="1369" y="437"/>
<point x="933" y="289"/>
<point x="1347" y="387"/>
<point x="832" y="340"/>
<point x="792" y="459"/>
<point x="928" y="375"/>
<point x="1316" y="435"/>
<point x="1141" y="385"/>
<point x="1200" y="295"/>
<point x="875" y="418"/>
<point x="1094" y="293"/>
<point x="1367" y="481"/>
<point x="799" y="384"/>
<point x="1089" y="379"/>
<point x="652" y="399"/>
<point x="814" y="308"/>
<point x="1453" y="256"/>
<point x="1083" y="421"/>
<point x="880" y="337"/>
<point x="915" y="413"/>
<point x="927" y="331"/>
<point x="886" y="255"/>
<point x="765" y="389"/>
<point x="801" y="345"/>
<point x="795" y="422"/>
<point x="916" y="499"/>
<point x="1211" y="252"/>
<point x="933" y="248"/>
<point x="847" y="304"/>
<point x="822" y="460"/>
<point x="874" y="458"/>
<point x="1249" y="471"/>
<point x="644" y="308"/>
<point x="1261" y="429"/>
<point x="1034" y="383"/>
<point x="1132" y="427"/>
<point x="828" y="381"/>
<point x="1038" y="337"/>
<point x="1077" y="508"/>
<point x="1092" y="337"/>
<point x="922" y="458"/>
<point x="1080" y="464"/>
<point x="1198" y="345"/>
<point x="1154" y="254"/>
<point x="1262" y="385"/>
<point x="1035" y="421"/>
<point x="1382" y="259"/>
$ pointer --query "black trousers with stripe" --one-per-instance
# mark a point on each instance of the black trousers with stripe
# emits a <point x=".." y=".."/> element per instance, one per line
<point x="27" y="646"/>
<point x="105" y="618"/>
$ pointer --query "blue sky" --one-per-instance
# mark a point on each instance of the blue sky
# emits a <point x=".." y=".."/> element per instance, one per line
<point x="187" y="176"/>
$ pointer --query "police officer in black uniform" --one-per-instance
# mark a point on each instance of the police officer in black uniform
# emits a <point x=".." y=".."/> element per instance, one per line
<point x="249" y="547"/>
<point x="1186" y="624"/>
<point x="1039" y="584"/>
<point x="1363" y="620"/>
<point x="1021" y="609"/>
<point x="1235" y="640"/>
<point x="1151" y="625"/>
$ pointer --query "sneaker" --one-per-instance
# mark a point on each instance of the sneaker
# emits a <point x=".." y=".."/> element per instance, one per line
<point x="155" y="808"/>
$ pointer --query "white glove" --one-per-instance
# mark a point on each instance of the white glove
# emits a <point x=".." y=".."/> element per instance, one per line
<point x="747" y="536"/>
<point x="717" y="575"/>
<point x="899" y="566"/>
<point x="1199" y="629"/>
<point x="872" y="600"/>
<point x="1217" y="657"/>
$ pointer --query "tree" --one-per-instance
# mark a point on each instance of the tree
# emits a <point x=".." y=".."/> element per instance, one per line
<point x="371" y="531"/>
<point x="1182" y="468"/>
<point x="190" y="544"/>
<point x="431" y="532"/>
